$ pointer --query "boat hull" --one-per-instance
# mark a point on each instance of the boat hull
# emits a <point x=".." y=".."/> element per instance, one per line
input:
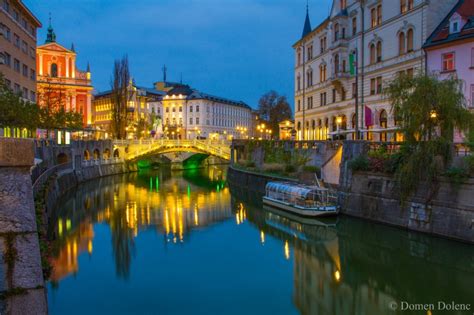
<point x="304" y="212"/>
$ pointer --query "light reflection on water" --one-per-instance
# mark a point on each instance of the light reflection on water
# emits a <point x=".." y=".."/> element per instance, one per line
<point x="180" y="243"/>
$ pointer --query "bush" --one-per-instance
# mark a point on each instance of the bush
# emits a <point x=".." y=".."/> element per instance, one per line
<point x="311" y="169"/>
<point x="289" y="168"/>
<point x="470" y="163"/>
<point x="250" y="164"/>
<point x="457" y="175"/>
<point x="272" y="167"/>
<point x="360" y="163"/>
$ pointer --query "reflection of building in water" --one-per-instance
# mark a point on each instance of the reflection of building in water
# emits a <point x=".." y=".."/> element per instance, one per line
<point x="129" y="204"/>
<point x="78" y="242"/>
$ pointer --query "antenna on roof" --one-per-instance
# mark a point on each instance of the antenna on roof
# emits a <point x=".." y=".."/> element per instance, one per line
<point x="181" y="78"/>
<point x="164" y="73"/>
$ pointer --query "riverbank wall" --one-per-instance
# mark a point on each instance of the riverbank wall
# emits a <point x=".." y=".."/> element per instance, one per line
<point x="374" y="197"/>
<point x="21" y="277"/>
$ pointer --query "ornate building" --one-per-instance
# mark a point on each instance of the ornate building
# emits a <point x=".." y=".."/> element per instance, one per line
<point x="375" y="39"/>
<point x="141" y="114"/>
<point x="189" y="114"/>
<point x="60" y="83"/>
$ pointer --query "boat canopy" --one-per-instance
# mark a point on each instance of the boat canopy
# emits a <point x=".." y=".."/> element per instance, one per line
<point x="290" y="189"/>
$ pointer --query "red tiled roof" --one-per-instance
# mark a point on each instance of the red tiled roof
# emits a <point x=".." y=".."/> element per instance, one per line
<point x="443" y="34"/>
<point x="466" y="9"/>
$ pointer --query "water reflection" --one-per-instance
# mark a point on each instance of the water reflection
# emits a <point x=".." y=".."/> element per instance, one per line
<point x="286" y="265"/>
<point x="172" y="205"/>
<point x="349" y="266"/>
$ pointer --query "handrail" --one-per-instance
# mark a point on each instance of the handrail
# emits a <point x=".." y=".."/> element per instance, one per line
<point x="44" y="177"/>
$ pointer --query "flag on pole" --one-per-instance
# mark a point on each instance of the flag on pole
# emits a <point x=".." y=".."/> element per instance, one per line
<point x="352" y="63"/>
<point x="368" y="116"/>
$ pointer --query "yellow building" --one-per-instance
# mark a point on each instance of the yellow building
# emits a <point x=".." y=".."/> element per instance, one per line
<point x="138" y="109"/>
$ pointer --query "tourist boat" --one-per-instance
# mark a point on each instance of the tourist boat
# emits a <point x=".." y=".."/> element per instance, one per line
<point x="303" y="200"/>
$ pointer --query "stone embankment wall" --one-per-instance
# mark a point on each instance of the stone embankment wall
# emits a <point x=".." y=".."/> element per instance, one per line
<point x="374" y="196"/>
<point x="21" y="275"/>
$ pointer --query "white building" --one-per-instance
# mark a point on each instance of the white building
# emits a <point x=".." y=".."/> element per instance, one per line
<point x="387" y="35"/>
<point x="189" y="114"/>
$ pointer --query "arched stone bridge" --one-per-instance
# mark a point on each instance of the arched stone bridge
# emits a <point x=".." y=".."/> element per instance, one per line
<point x="132" y="150"/>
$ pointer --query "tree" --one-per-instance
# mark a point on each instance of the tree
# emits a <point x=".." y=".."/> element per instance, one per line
<point x="15" y="112"/>
<point x="274" y="109"/>
<point x="430" y="111"/>
<point x="120" y="96"/>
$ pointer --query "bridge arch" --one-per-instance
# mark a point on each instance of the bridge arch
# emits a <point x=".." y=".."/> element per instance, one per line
<point x="96" y="154"/>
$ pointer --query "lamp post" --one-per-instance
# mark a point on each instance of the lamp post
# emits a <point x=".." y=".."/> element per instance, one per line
<point x="338" y="122"/>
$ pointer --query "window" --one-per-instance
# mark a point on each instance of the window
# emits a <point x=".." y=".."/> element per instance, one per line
<point x="197" y="120"/>
<point x="372" y="53"/>
<point x="448" y="62"/>
<point x="24" y="24"/>
<point x="298" y="83"/>
<point x="372" y="86"/>
<point x="309" y="75"/>
<point x="403" y="6"/>
<point x="299" y="57"/>
<point x="25" y="70"/>
<point x="54" y="70"/>
<point x="16" y="40"/>
<point x="7" y="33"/>
<point x="299" y="105"/>
<point x="410" y="4"/>
<point x="322" y="73"/>
<point x="410" y="40"/>
<point x="167" y="109"/>
<point x="334" y="95"/>
<point x="32" y="96"/>
<point x="354" y="26"/>
<point x="32" y="74"/>
<point x="379" y="85"/>
<point x="455" y="27"/>
<point x="379" y="51"/>
<point x="343" y="4"/>
<point x="401" y="43"/>
<point x="472" y="57"/>
<point x="24" y="47"/>
<point x="323" y="43"/>
<point x="310" y="102"/>
<point x="17" y="88"/>
<point x="6" y="5"/>
<point x="336" y="64"/>
<point x="197" y="108"/>
<point x="32" y="53"/>
<point x="472" y="95"/>
<point x="7" y="59"/>
<point x="191" y="108"/>
<point x="379" y="14"/>
<point x="24" y="93"/>
<point x="336" y="32"/>
<point x="354" y="90"/>
<point x="16" y="65"/>
<point x="180" y="109"/>
<point x="310" y="52"/>
<point x="373" y="17"/>
<point x="16" y="15"/>
<point x="323" y="99"/>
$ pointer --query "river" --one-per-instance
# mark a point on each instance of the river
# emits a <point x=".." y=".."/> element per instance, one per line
<point x="162" y="242"/>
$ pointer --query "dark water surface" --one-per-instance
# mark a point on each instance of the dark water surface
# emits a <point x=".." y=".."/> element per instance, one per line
<point x="181" y="243"/>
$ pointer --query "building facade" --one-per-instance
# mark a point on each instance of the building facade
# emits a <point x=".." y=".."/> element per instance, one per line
<point x="375" y="39"/>
<point x="18" y="47"/>
<point x="189" y="114"/>
<point x="450" y="49"/>
<point x="60" y="82"/>
<point x="141" y="114"/>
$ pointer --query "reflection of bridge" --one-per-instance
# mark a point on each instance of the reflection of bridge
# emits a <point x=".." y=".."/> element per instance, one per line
<point x="136" y="149"/>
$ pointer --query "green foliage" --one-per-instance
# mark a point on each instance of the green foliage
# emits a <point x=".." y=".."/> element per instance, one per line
<point x="457" y="175"/>
<point x="290" y="168"/>
<point x="360" y="163"/>
<point x="470" y="163"/>
<point x="429" y="111"/>
<point x="311" y="169"/>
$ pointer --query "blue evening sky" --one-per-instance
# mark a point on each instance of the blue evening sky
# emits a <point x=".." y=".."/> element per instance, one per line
<point x="237" y="49"/>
